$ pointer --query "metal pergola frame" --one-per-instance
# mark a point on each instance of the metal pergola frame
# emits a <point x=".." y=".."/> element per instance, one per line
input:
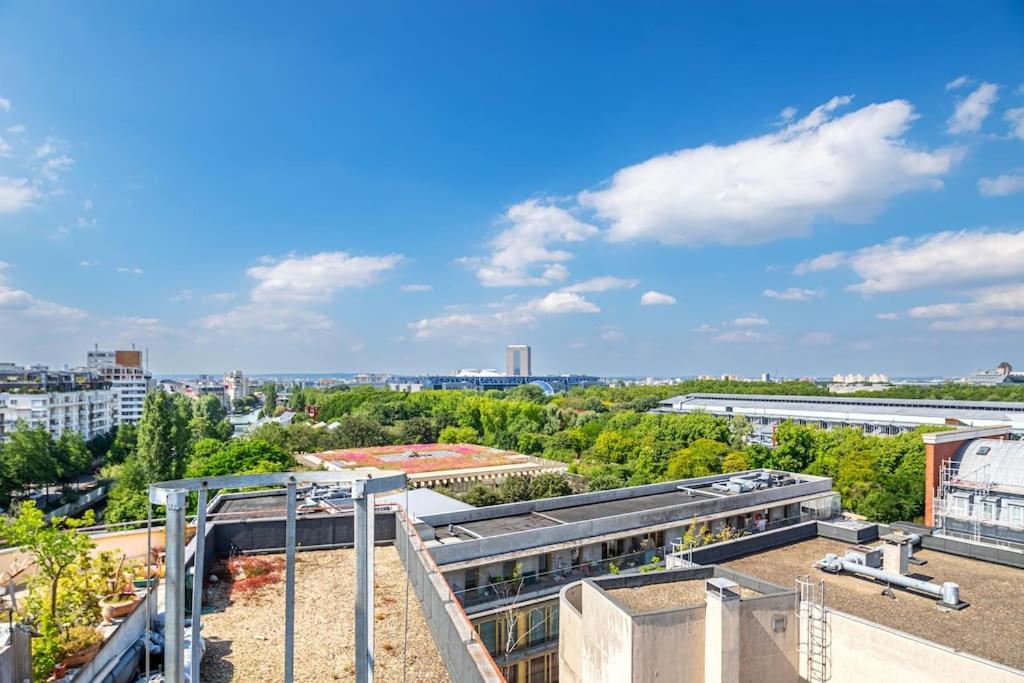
<point x="174" y="496"/>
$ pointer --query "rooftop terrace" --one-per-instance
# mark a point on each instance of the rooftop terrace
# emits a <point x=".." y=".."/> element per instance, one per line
<point x="417" y="458"/>
<point x="246" y="634"/>
<point x="988" y="628"/>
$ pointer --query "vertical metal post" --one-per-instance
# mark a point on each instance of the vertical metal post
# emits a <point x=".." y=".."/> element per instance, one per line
<point x="152" y="589"/>
<point x="197" y="585"/>
<point x="364" y="583"/>
<point x="289" y="587"/>
<point x="174" y="652"/>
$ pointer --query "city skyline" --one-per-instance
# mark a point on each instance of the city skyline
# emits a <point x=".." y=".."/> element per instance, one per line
<point x="351" y="190"/>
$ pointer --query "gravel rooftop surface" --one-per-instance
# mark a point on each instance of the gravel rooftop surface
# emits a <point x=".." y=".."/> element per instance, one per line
<point x="673" y="595"/>
<point x="989" y="628"/>
<point x="246" y="635"/>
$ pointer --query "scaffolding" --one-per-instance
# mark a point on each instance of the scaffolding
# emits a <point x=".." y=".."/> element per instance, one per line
<point x="815" y="639"/>
<point x="951" y="481"/>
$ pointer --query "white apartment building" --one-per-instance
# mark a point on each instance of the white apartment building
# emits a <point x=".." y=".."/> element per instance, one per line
<point x="90" y="412"/>
<point x="128" y="379"/>
<point x="236" y="386"/>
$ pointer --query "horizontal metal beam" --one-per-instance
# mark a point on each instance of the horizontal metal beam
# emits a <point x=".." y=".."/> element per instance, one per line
<point x="379" y="483"/>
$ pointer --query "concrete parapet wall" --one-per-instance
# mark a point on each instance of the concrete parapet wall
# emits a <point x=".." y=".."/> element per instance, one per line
<point x="16" y="657"/>
<point x="457" y="642"/>
<point x="717" y="553"/>
<point x="864" y="651"/>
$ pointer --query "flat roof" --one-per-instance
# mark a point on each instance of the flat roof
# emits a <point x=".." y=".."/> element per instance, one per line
<point x="419" y="502"/>
<point x="504" y="525"/>
<point x="552" y="512"/>
<point x="987" y="628"/>
<point x="429" y="457"/>
<point x="245" y="634"/>
<point x="579" y="513"/>
<point x="895" y="407"/>
<point x="670" y="595"/>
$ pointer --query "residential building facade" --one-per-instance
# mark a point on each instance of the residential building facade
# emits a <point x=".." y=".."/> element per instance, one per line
<point x="128" y="378"/>
<point x="58" y="401"/>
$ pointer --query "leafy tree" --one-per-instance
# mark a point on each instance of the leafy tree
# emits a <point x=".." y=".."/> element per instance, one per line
<point x="740" y="430"/>
<point x="210" y="407"/>
<point x="530" y="443"/>
<point x="794" y="447"/>
<point x="124" y="444"/>
<point x="458" y="435"/>
<point x="163" y="438"/>
<point x="30" y="456"/>
<point x="357" y="432"/>
<point x="702" y="458"/>
<point x="482" y="496"/>
<point x="527" y="392"/>
<point x="736" y="461"/>
<point x="608" y="479"/>
<point x="54" y="545"/>
<point x="549" y="485"/>
<point x="416" y="430"/>
<point x="614" y="447"/>
<point x="515" y="489"/>
<point x="211" y="458"/>
<point x="73" y="457"/>
<point x="269" y="398"/>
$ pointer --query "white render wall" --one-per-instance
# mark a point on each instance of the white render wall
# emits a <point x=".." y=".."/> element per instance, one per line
<point x="89" y="412"/>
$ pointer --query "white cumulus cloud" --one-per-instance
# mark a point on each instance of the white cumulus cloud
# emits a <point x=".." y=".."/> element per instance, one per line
<point x="653" y="298"/>
<point x="602" y="284"/>
<point x="523" y="254"/>
<point x="958" y="83"/>
<point x="750" y="321"/>
<point x="1015" y="117"/>
<point x="821" y="166"/>
<point x="1001" y="186"/>
<point x="317" y="277"/>
<point x="972" y="111"/>
<point x="563" y="302"/>
<point x="829" y="261"/>
<point x="16" y="194"/>
<point x="939" y="259"/>
<point x="416" y="288"/>
<point x="793" y="294"/>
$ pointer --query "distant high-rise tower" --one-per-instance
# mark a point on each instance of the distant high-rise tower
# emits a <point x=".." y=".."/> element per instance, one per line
<point x="128" y="377"/>
<point x="517" y="360"/>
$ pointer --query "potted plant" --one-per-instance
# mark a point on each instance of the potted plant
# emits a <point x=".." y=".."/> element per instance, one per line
<point x="121" y="599"/>
<point x="143" y="576"/>
<point x="79" y="645"/>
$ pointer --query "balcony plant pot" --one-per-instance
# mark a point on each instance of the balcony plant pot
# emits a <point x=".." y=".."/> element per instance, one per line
<point x="151" y="582"/>
<point x="81" y="657"/>
<point x="118" y="605"/>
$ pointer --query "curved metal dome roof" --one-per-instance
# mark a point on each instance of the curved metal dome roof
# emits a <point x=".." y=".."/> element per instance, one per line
<point x="996" y="461"/>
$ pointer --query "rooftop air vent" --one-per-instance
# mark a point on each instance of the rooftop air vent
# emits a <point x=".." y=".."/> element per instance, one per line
<point x="983" y="450"/>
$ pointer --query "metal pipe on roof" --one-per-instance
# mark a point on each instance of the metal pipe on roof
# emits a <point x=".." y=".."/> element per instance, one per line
<point x="948" y="592"/>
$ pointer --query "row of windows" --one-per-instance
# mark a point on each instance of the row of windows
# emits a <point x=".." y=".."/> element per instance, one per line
<point x="505" y="634"/>
<point x="541" y="669"/>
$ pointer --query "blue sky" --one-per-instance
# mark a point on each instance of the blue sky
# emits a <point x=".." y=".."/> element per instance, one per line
<point x="724" y="187"/>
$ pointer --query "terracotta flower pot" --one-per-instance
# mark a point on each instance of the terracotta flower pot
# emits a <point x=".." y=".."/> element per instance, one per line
<point x="81" y="657"/>
<point x="117" y="606"/>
